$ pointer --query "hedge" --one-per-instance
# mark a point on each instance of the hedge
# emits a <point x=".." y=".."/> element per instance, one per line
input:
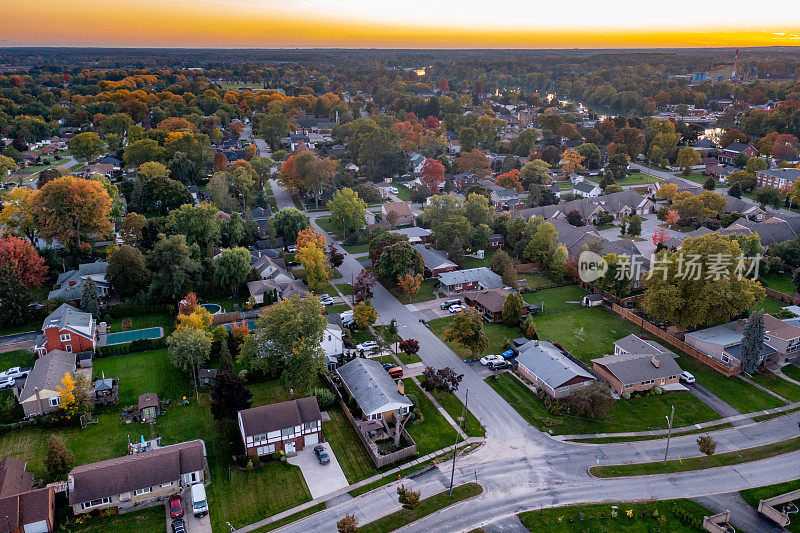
<point x="122" y="311"/>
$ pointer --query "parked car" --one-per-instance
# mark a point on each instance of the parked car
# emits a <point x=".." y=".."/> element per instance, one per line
<point x="322" y="455"/>
<point x="175" y="506"/>
<point x="687" y="377"/>
<point x="499" y="365"/>
<point x="6" y="383"/>
<point x="395" y="371"/>
<point x="199" y="500"/>
<point x="366" y="346"/>
<point x="327" y="301"/>
<point x="15" y="372"/>
<point x="485" y="360"/>
<point x="291" y="248"/>
<point x="394" y="190"/>
<point x="447" y="303"/>
<point x="457" y="308"/>
<point x="178" y="526"/>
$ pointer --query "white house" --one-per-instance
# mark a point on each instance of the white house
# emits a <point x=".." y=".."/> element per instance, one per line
<point x="332" y="345"/>
<point x="586" y="189"/>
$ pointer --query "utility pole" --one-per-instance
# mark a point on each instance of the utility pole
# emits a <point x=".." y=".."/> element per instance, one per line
<point x="455" y="446"/>
<point x="669" y="432"/>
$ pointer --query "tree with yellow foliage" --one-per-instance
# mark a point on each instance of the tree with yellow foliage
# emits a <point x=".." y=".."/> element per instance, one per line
<point x="410" y="284"/>
<point x="74" y="396"/>
<point x="667" y="192"/>
<point x="17" y="214"/>
<point x="200" y="319"/>
<point x="311" y="236"/>
<point x="571" y="161"/>
<point x="315" y="262"/>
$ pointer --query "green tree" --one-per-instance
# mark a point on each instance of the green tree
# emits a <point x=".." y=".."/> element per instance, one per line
<point x="198" y="223"/>
<point x="380" y="154"/>
<point x="635" y="225"/>
<point x="478" y="210"/>
<point x="15" y="298"/>
<point x="288" y="223"/>
<point x="468" y="138"/>
<point x="117" y="124"/>
<point x="466" y="330"/>
<point x="87" y="145"/>
<point x="591" y="155"/>
<point x="687" y="158"/>
<point x="768" y="196"/>
<point x="58" y="460"/>
<point x="348" y="211"/>
<point x="557" y="263"/>
<point x="398" y="260"/>
<point x="512" y="310"/>
<point x="90" y="300"/>
<point x="541" y="238"/>
<point x="174" y="269"/>
<point x="231" y="268"/>
<point x="127" y="271"/>
<point x="142" y="151"/>
<point x="755" y="164"/>
<point x="753" y="342"/>
<point x="189" y="348"/>
<point x="535" y="172"/>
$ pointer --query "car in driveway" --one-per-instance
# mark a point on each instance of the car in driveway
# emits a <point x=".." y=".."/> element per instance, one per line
<point x="366" y="346"/>
<point x="322" y="455"/>
<point x="327" y="301"/>
<point x="486" y="359"/>
<point x="291" y="249"/>
<point x="687" y="377"/>
<point x="5" y="383"/>
<point x="457" y="308"/>
<point x="447" y="303"/>
<point x="394" y="371"/>
<point x="499" y="365"/>
<point x="178" y="526"/>
<point x="15" y="372"/>
<point x="175" y="506"/>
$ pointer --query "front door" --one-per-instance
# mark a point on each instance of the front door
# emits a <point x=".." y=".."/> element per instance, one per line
<point x="288" y="447"/>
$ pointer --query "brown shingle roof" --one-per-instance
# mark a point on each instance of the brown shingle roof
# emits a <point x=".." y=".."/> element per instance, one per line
<point x="491" y="299"/>
<point x="282" y="415"/>
<point x="149" y="399"/>
<point x="26" y="508"/>
<point x="13" y="477"/>
<point x="146" y="469"/>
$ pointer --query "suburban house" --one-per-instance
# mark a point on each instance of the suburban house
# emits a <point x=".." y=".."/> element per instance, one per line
<point x="417" y="162"/>
<point x="463" y="180"/>
<point x="69" y="286"/>
<point x="67" y="329"/>
<point x="681" y="184"/>
<point x="332" y="345"/>
<point x="496" y="240"/>
<point x="586" y="189"/>
<point x="490" y="303"/>
<point x="285" y="426"/>
<point x="729" y="153"/>
<point x="40" y="394"/>
<point x="637" y="365"/>
<point x="779" y="178"/>
<point x="375" y="392"/>
<point x="400" y="211"/>
<point x="548" y="368"/>
<point x="139" y="480"/>
<point x="472" y="279"/>
<point x="24" y="509"/>
<point x="436" y="261"/>
<point x="502" y="198"/>
<point x="751" y="210"/>
<point x="416" y="235"/>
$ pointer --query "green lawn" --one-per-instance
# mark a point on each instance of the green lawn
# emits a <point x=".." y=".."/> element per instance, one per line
<point x="597" y="518"/>
<point x="535" y="281"/>
<point x="455" y="409"/>
<point x="408" y="358"/>
<point x="779" y="282"/>
<point x="425" y="293"/>
<point x="140" y="322"/>
<point x="151" y="519"/>
<point x="326" y="224"/>
<point x="16" y="358"/>
<point x="404" y="193"/>
<point x="699" y="178"/>
<point x="338" y="308"/>
<point x="792" y="371"/>
<point x="779" y="386"/>
<point x="350" y="453"/>
<point x="555" y="300"/>
<point x="745" y="455"/>
<point x="433" y="433"/>
<point x="497" y="334"/>
<point x="474" y="262"/>
<point x="636" y="178"/>
<point x="357" y="248"/>
<point x="345" y="288"/>
<point x="586" y="332"/>
<point x="31" y="325"/>
<point x="753" y="496"/>
<point x="769" y="305"/>
<point x="636" y="414"/>
<point x="740" y="395"/>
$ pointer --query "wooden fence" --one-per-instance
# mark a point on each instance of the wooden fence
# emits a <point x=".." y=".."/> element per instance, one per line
<point x="791" y="299"/>
<point x="674" y="341"/>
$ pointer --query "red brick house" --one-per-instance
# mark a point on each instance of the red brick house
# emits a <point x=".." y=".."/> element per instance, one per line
<point x="436" y="262"/>
<point x="473" y="279"/>
<point x="402" y="210"/>
<point x="637" y="365"/>
<point x="490" y="303"/>
<point x="496" y="240"/>
<point x="286" y="426"/>
<point x="67" y="329"/>
<point x="779" y="178"/>
<point x="729" y="153"/>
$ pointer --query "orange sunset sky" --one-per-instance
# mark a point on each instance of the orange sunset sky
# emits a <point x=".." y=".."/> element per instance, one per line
<point x="396" y="24"/>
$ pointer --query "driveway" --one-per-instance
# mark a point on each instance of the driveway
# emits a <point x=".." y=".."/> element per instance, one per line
<point x="722" y="408"/>
<point x="193" y="524"/>
<point x="321" y="479"/>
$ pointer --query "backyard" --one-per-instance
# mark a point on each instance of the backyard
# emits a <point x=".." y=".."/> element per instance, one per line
<point x="636" y="178"/>
<point x="474" y="262"/>
<point x="497" y="333"/>
<point x="779" y="282"/>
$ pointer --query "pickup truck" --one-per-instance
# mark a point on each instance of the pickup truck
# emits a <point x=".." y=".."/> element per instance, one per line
<point x="15" y="372"/>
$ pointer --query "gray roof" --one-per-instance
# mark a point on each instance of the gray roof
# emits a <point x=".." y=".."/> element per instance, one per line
<point x="784" y="173"/>
<point x="70" y="284"/>
<point x="549" y="363"/>
<point x="413" y="231"/>
<point x="634" y="368"/>
<point x="433" y="258"/>
<point x="67" y="317"/>
<point x="137" y="471"/>
<point x="585" y="186"/>
<point x="635" y="344"/>
<point x="483" y="275"/>
<point x="277" y="416"/>
<point x="47" y="373"/>
<point x="735" y="351"/>
<point x="722" y="335"/>
<point x="371" y="386"/>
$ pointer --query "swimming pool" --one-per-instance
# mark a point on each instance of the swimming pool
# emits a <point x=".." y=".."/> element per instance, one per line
<point x="212" y="308"/>
<point x="251" y="325"/>
<point x="135" y="335"/>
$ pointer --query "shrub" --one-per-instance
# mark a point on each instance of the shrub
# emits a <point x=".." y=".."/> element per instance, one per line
<point x="592" y="401"/>
<point x="626" y="395"/>
<point x="658" y="390"/>
<point x="325" y="398"/>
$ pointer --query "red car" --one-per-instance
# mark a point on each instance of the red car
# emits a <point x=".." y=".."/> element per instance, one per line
<point x="175" y="506"/>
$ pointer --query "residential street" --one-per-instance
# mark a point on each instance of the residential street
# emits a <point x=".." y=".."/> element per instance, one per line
<point x="521" y="468"/>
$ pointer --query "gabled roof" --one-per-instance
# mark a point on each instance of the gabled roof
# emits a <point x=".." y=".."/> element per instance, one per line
<point x="634" y="368"/>
<point x="585" y="186"/>
<point x="635" y="344"/>
<point x="277" y="416"/>
<point x="47" y="373"/>
<point x="616" y="202"/>
<point x="67" y="317"/>
<point x="737" y="147"/>
<point x="491" y="299"/>
<point x="483" y="275"/>
<point x="21" y="510"/>
<point x="433" y="258"/>
<point x="122" y="474"/>
<point x="401" y="208"/>
<point x="550" y="364"/>
<point x="371" y="386"/>
<point x="13" y="477"/>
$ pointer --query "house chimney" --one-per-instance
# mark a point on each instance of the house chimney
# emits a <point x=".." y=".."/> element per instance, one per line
<point x="401" y="388"/>
<point x="656" y="362"/>
<point x="536" y="342"/>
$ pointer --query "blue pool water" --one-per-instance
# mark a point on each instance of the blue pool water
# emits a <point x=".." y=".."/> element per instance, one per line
<point x="135" y="335"/>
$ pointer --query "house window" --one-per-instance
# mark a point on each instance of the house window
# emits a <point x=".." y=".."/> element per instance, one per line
<point x="54" y="401"/>
<point x="164" y="485"/>
<point x="145" y="490"/>
<point x="65" y="337"/>
<point x="265" y="450"/>
<point x="262" y="436"/>
<point x="95" y="503"/>
<point x="68" y="348"/>
<point x="310" y="426"/>
<point x="286" y="432"/>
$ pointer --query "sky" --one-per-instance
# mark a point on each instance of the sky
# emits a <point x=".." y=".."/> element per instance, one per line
<point x="397" y="24"/>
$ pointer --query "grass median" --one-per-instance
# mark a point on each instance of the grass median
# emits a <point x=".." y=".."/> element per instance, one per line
<point x="699" y="463"/>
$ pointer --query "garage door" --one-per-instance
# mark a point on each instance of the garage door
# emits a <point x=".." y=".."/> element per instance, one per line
<point x="312" y="439"/>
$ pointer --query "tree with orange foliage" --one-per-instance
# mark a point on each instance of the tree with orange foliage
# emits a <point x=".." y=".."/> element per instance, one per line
<point x="433" y="174"/>
<point x="410" y="134"/>
<point x="431" y="123"/>
<point x="311" y="236"/>
<point x="173" y="124"/>
<point x="305" y="173"/>
<point x="667" y="192"/>
<point x="220" y="162"/>
<point x="410" y="284"/>
<point x="475" y="162"/>
<point x="69" y="208"/>
<point x="188" y="304"/>
<point x="571" y="161"/>
<point x="510" y="180"/>
<point x="672" y="217"/>
<point x="239" y="331"/>
<point x="21" y="257"/>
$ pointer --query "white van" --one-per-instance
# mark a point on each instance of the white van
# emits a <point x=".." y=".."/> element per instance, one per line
<point x="199" y="501"/>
